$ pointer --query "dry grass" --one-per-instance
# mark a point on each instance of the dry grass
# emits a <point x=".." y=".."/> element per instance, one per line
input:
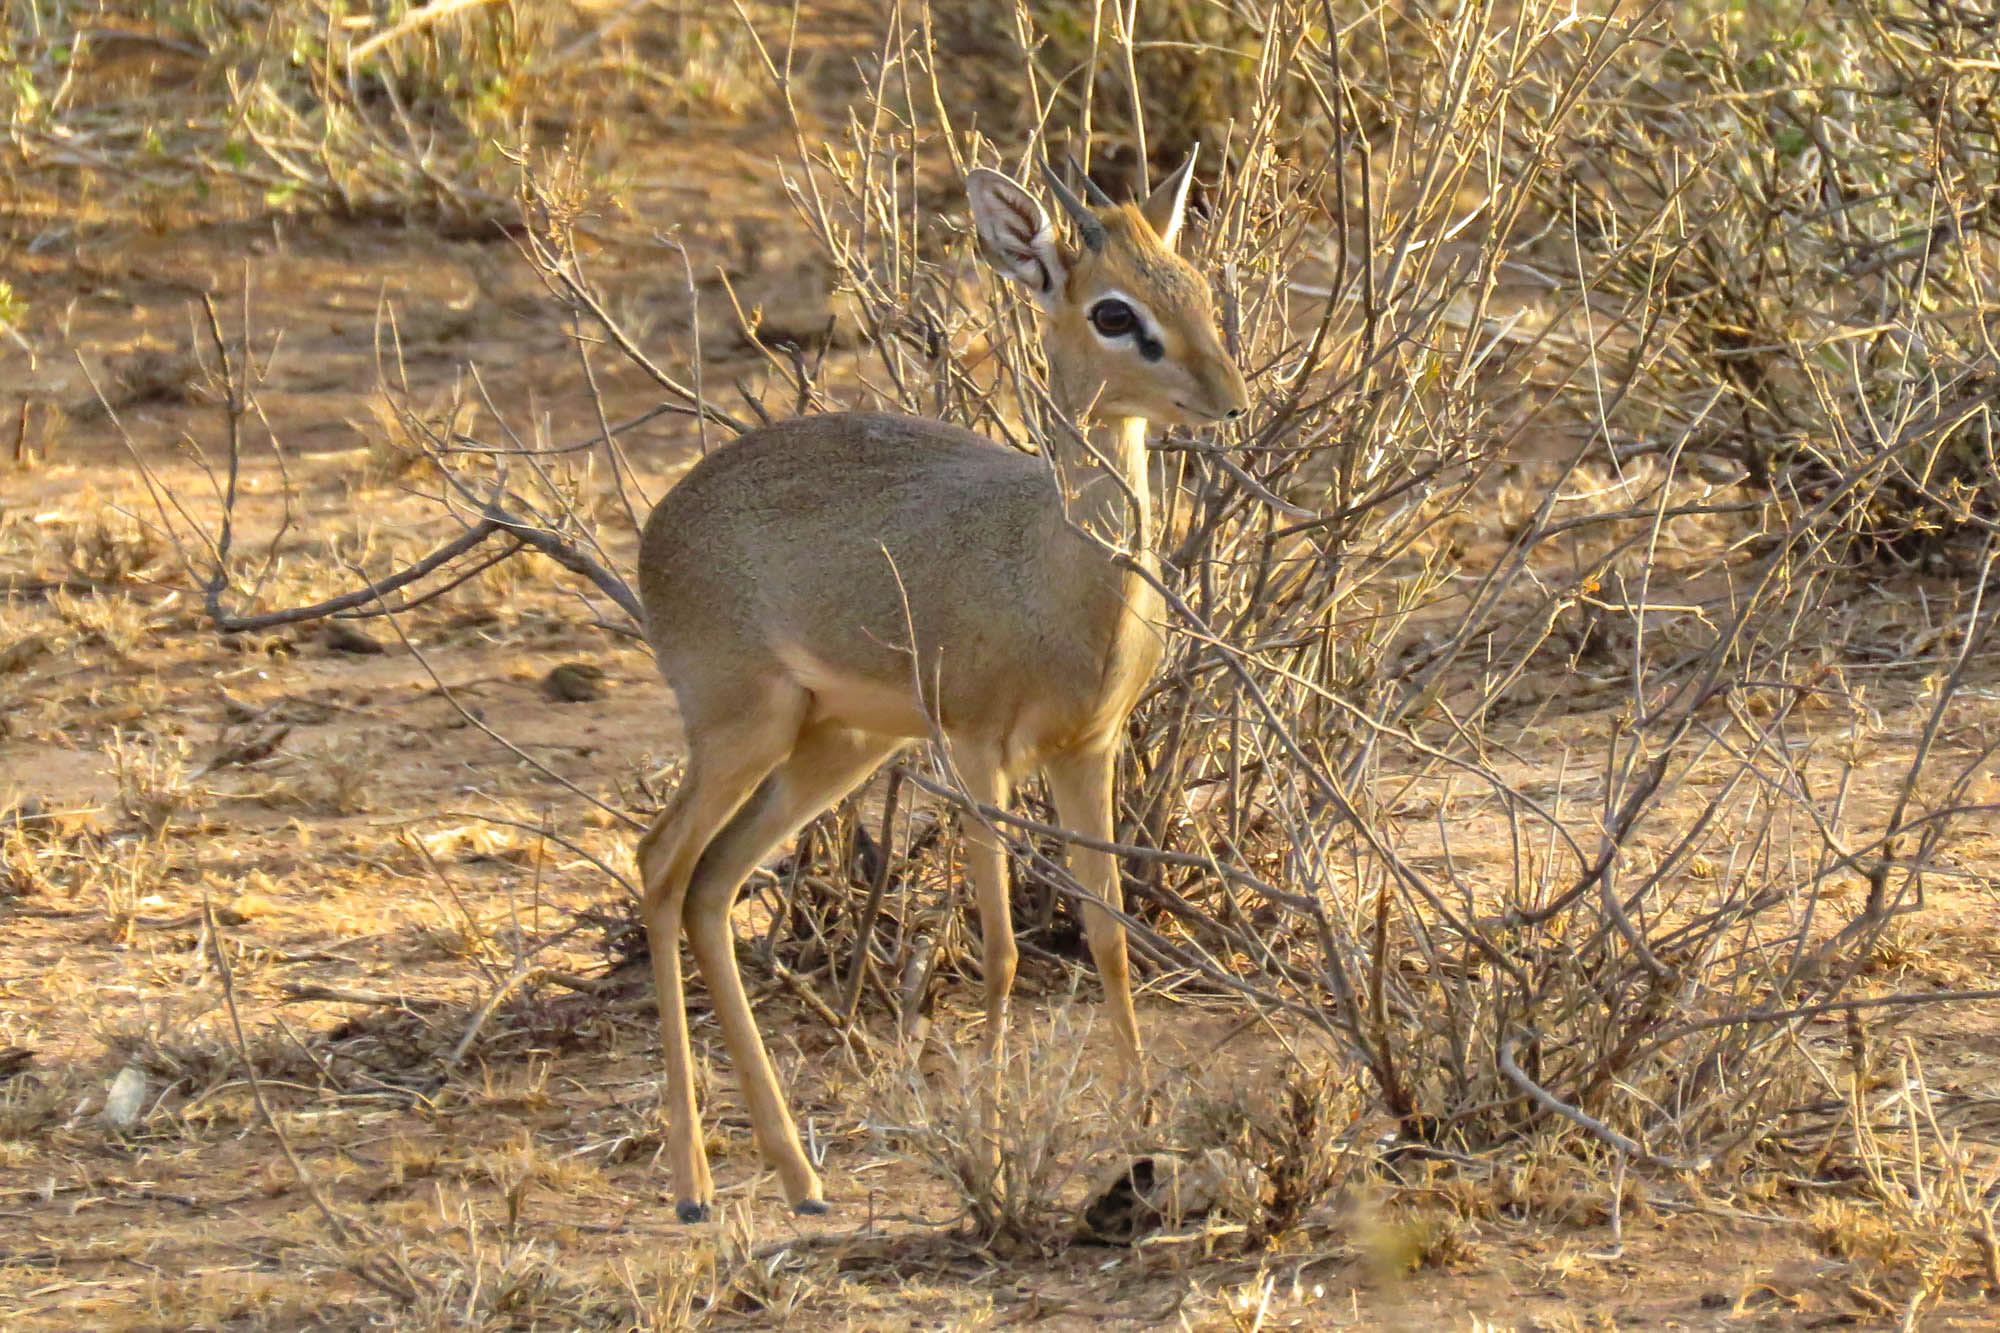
<point x="1581" y="693"/>
<point x="411" y="115"/>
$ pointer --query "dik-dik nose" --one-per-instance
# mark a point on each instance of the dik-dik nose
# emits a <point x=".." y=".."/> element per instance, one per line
<point x="1228" y="392"/>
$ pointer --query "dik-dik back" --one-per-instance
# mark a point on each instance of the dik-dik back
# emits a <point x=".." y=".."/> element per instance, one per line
<point x="828" y="547"/>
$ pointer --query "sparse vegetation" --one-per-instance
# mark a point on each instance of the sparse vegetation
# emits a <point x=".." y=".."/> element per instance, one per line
<point x="1562" y="820"/>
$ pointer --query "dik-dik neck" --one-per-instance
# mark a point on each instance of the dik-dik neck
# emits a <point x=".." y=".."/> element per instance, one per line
<point x="1106" y="482"/>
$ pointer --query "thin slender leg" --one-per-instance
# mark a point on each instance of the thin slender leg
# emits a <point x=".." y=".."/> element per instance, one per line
<point x="985" y="780"/>
<point x="1081" y="783"/>
<point x="685" y="1159"/>
<point x="727" y="760"/>
<point x="825" y="764"/>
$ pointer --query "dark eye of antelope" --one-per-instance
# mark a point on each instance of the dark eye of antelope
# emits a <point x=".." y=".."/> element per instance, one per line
<point x="1114" y="319"/>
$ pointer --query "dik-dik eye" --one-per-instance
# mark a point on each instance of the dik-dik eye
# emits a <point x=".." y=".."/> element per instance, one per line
<point x="1113" y="318"/>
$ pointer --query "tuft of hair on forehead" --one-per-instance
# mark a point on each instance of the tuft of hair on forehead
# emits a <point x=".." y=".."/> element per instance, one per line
<point x="1134" y="252"/>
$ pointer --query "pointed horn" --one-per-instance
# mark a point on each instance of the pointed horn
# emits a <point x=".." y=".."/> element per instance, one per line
<point x="1098" y="198"/>
<point x="1087" y="225"/>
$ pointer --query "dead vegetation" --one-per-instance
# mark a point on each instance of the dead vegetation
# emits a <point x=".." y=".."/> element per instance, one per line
<point x="1545" y="842"/>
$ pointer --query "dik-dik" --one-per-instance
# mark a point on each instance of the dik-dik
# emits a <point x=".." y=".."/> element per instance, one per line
<point x="823" y="590"/>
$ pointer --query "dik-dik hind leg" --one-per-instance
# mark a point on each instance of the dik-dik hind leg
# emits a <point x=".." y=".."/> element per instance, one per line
<point x="826" y="763"/>
<point x="1081" y="784"/>
<point x="730" y="750"/>
<point x="985" y="780"/>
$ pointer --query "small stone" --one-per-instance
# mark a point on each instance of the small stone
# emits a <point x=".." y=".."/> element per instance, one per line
<point x="1148" y="1194"/>
<point x="1715" y="471"/>
<point x="22" y="653"/>
<point x="342" y="637"/>
<point x="573" y="683"/>
<point x="126" y="1099"/>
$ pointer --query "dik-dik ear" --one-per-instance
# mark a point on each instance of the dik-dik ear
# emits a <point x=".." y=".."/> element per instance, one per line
<point x="1016" y="235"/>
<point x="1167" y="204"/>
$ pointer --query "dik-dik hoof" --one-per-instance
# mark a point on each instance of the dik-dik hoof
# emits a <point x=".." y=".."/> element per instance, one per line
<point x="691" y="1212"/>
<point x="811" y="1208"/>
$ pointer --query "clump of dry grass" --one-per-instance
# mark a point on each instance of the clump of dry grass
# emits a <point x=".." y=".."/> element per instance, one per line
<point x="33" y="1103"/>
<point x="156" y="779"/>
<point x="400" y="436"/>
<point x="185" y="1048"/>
<point x="1295" y="1134"/>
<point x="24" y="857"/>
<point x="335" y="775"/>
<point x="110" y="552"/>
<point x="118" y="625"/>
<point x="1050" y="1125"/>
<point x="1920" y="1220"/>
<point x="1414" y="1239"/>
<point x="126" y="877"/>
<point x="39" y="432"/>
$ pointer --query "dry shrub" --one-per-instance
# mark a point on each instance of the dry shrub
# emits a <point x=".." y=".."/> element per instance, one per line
<point x="1216" y="58"/>
<point x="1056" y="1124"/>
<point x="1827" y="282"/>
<point x="1345" y="657"/>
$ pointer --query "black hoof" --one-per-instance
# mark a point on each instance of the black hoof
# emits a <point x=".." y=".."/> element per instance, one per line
<point x="811" y="1208"/>
<point x="691" y="1212"/>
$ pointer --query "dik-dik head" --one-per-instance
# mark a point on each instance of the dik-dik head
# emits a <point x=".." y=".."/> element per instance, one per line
<point x="1130" y="325"/>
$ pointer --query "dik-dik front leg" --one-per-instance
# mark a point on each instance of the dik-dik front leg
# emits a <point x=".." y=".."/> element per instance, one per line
<point x="1081" y="784"/>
